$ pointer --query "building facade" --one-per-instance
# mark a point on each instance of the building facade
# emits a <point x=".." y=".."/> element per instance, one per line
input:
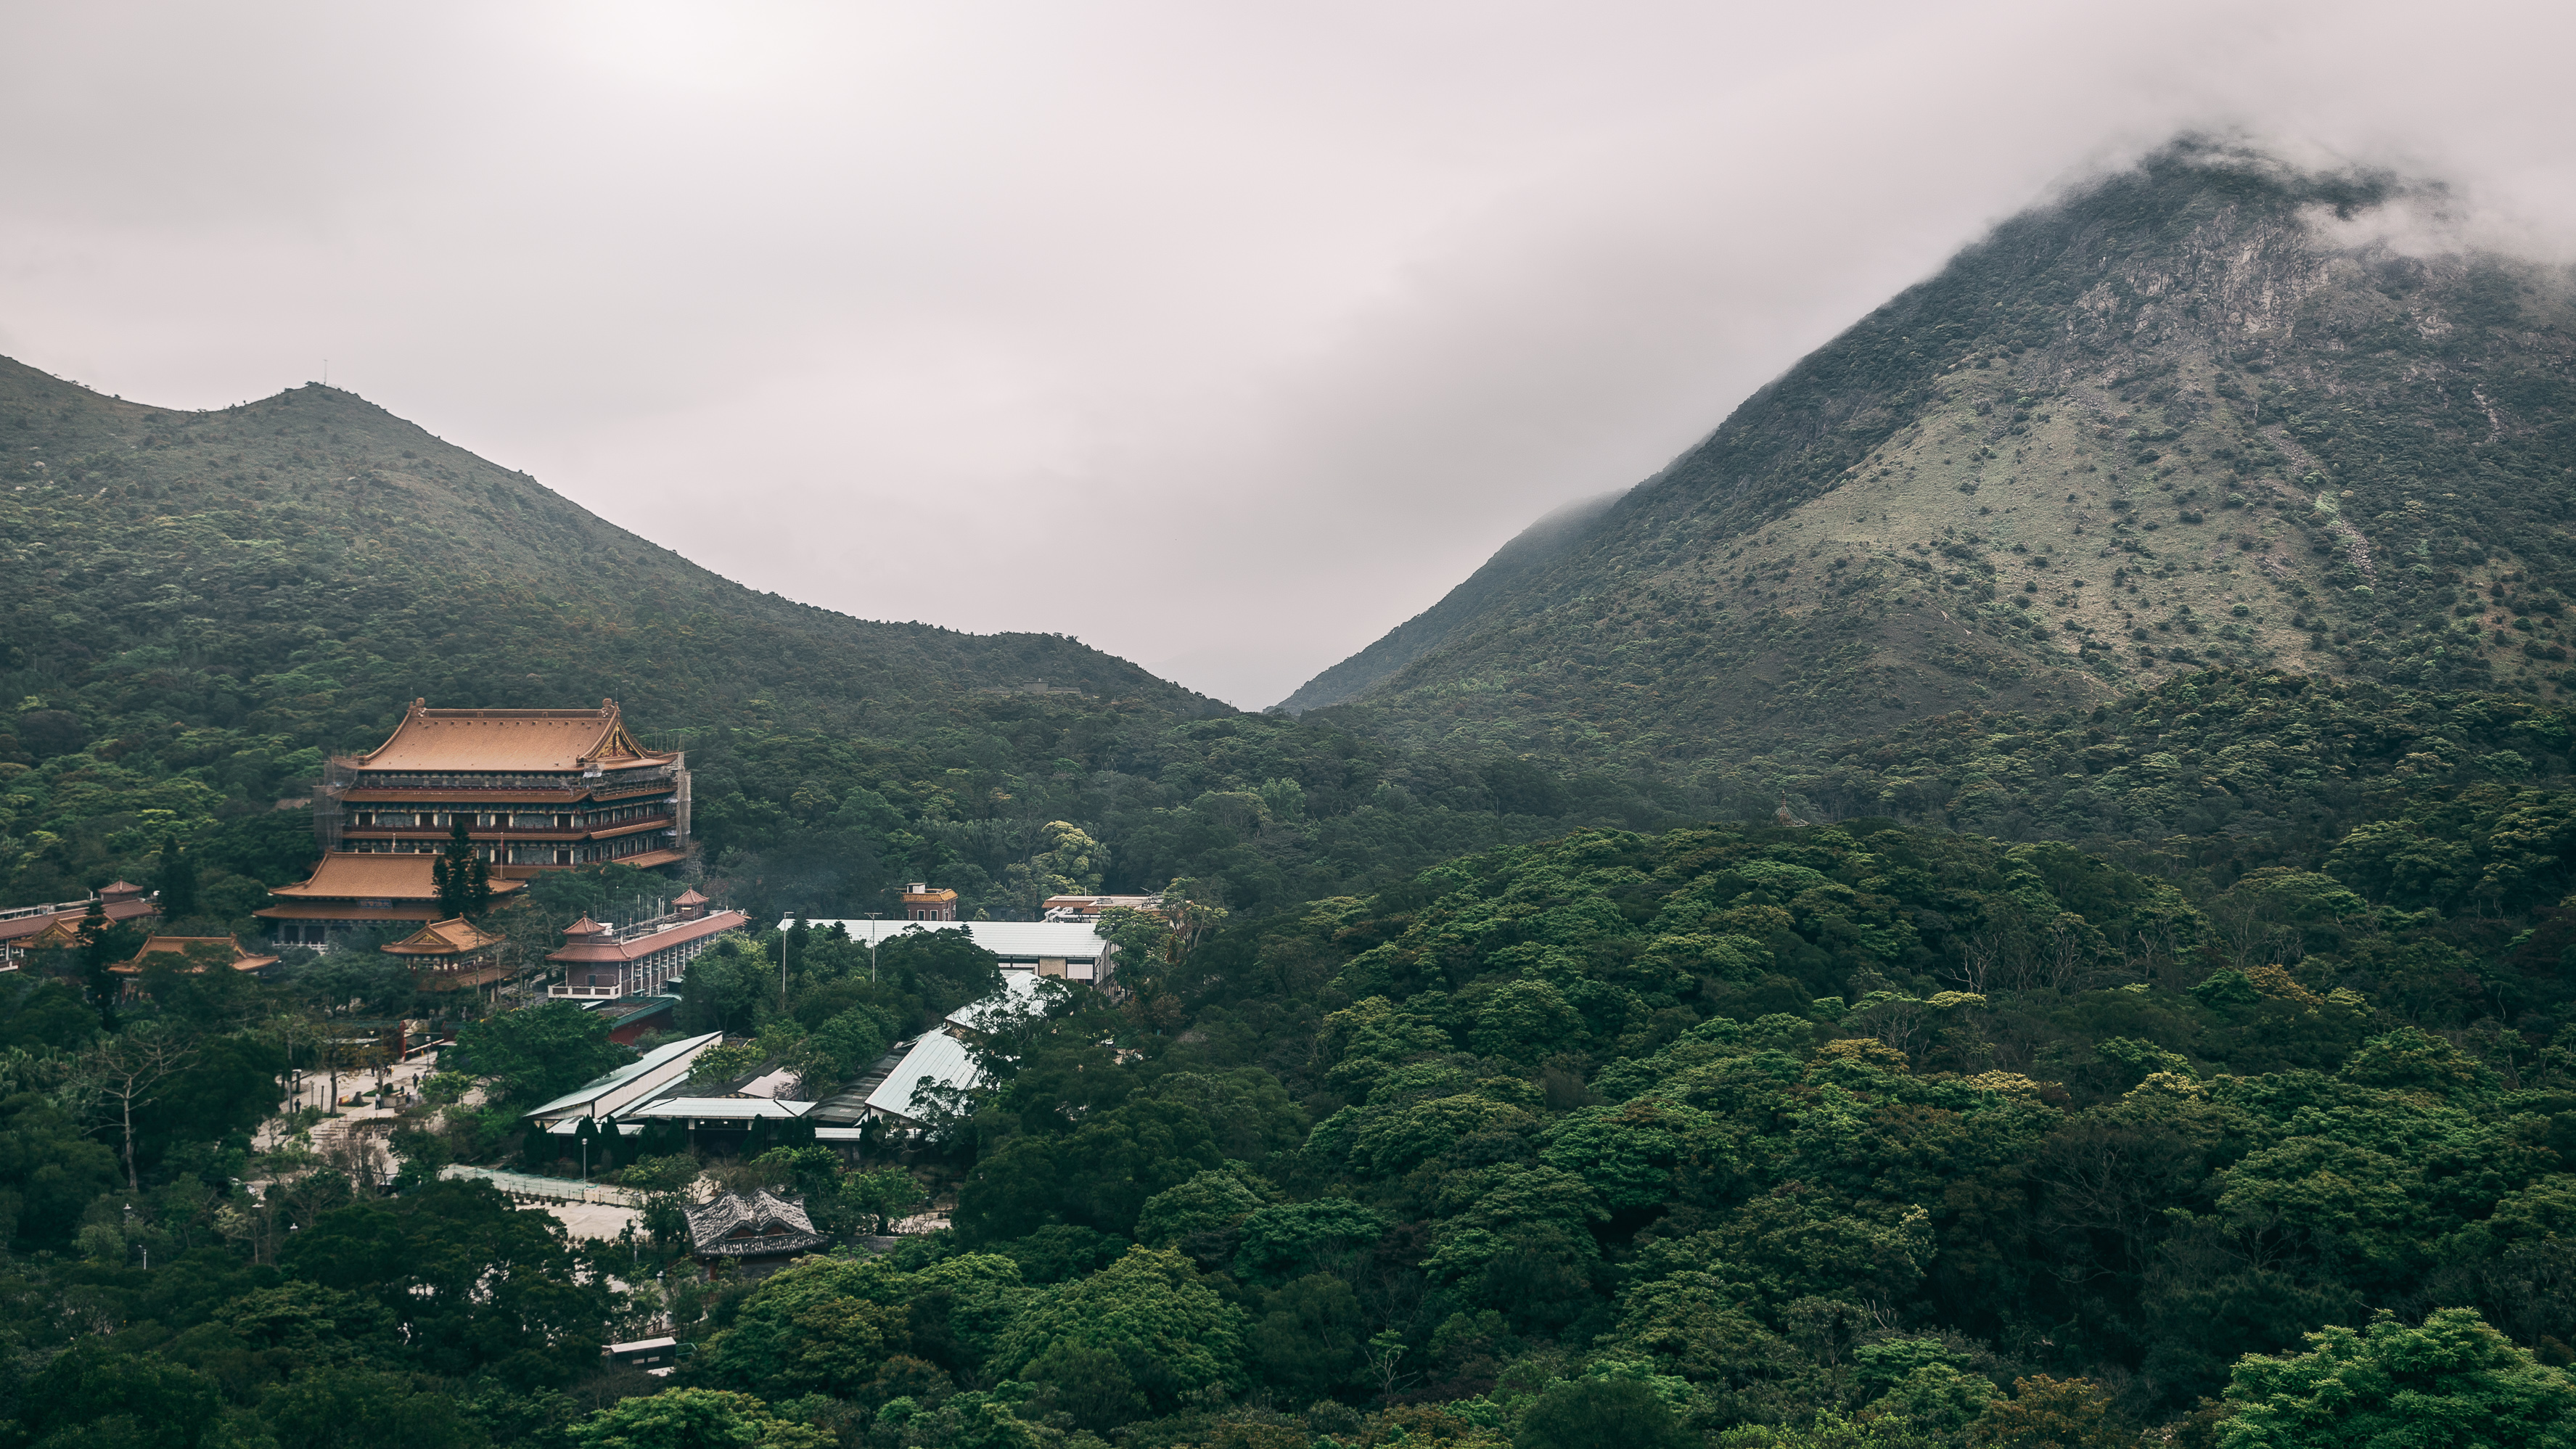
<point x="604" y="963"/>
<point x="38" y="928"/>
<point x="359" y="892"/>
<point x="538" y="790"/>
<point x="929" y="903"/>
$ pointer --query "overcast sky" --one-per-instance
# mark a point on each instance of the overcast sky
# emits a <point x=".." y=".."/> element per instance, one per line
<point x="1221" y="336"/>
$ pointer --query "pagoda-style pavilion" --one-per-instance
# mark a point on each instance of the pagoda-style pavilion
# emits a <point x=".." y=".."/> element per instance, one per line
<point x="451" y="955"/>
<point x="359" y="892"/>
<point x="538" y="789"/>
<point x="231" y="954"/>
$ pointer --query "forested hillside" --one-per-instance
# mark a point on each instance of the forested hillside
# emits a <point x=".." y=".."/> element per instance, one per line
<point x="2189" y="415"/>
<point x="1793" y="1136"/>
<point x="200" y="606"/>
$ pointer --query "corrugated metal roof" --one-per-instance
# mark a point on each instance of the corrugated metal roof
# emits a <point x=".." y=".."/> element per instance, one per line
<point x="1018" y="997"/>
<point x="939" y="1059"/>
<point x="1010" y="940"/>
<point x="645" y="1072"/>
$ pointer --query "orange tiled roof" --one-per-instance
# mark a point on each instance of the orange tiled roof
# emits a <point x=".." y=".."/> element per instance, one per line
<point x="178" y="946"/>
<point x="454" y="936"/>
<point x="596" y="944"/>
<point x="348" y="876"/>
<point x="16" y="930"/>
<point x="509" y="740"/>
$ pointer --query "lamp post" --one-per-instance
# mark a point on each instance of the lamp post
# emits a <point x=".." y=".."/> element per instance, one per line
<point x="872" y="948"/>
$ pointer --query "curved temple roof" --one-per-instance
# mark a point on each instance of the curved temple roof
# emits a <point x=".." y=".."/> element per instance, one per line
<point x="509" y="741"/>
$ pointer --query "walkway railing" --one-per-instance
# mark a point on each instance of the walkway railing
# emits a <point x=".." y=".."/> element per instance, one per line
<point x="528" y="1187"/>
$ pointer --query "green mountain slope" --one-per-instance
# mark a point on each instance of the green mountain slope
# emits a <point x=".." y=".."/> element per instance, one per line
<point x="1516" y="563"/>
<point x="313" y="533"/>
<point x="196" y="607"/>
<point x="2170" y="421"/>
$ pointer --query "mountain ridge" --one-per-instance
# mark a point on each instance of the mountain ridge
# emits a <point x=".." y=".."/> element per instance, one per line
<point x="2160" y="423"/>
<point x="350" y="485"/>
<point x="1525" y="555"/>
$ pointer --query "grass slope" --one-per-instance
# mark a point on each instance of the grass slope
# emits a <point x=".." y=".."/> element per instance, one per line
<point x="2180" y="419"/>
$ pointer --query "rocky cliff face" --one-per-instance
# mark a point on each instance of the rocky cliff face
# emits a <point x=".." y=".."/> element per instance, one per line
<point x="2194" y="413"/>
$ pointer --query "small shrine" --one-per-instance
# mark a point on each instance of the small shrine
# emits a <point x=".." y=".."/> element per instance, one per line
<point x="194" y="954"/>
<point x="758" y="1230"/>
<point x="452" y="955"/>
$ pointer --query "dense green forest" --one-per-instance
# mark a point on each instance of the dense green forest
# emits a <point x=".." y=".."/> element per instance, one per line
<point x="1785" y="1135"/>
<point x="1746" y="973"/>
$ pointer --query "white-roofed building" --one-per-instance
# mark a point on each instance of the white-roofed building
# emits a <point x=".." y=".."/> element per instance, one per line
<point x="635" y="1082"/>
<point x="938" y="1060"/>
<point x="1070" y="949"/>
<point x="1022" y="991"/>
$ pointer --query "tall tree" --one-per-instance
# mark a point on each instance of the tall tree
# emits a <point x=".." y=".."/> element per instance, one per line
<point x="478" y="883"/>
<point x="174" y="879"/>
<point x="540" y="1052"/>
<point x="128" y="1071"/>
<point x="97" y="953"/>
<point x="463" y="881"/>
<point x="2453" y="1381"/>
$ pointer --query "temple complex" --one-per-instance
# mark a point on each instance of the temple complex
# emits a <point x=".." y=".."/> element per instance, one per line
<point x="537" y="790"/>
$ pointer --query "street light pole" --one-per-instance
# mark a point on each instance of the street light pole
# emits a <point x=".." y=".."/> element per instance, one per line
<point x="872" y="948"/>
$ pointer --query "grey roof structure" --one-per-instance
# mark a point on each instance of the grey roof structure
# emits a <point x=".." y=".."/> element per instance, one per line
<point x="938" y="1059"/>
<point x="633" y="1082"/>
<point x="759" y="1224"/>
<point x="1018" y="997"/>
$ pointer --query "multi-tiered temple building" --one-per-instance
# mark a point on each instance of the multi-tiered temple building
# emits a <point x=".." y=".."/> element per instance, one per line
<point x="538" y="790"/>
